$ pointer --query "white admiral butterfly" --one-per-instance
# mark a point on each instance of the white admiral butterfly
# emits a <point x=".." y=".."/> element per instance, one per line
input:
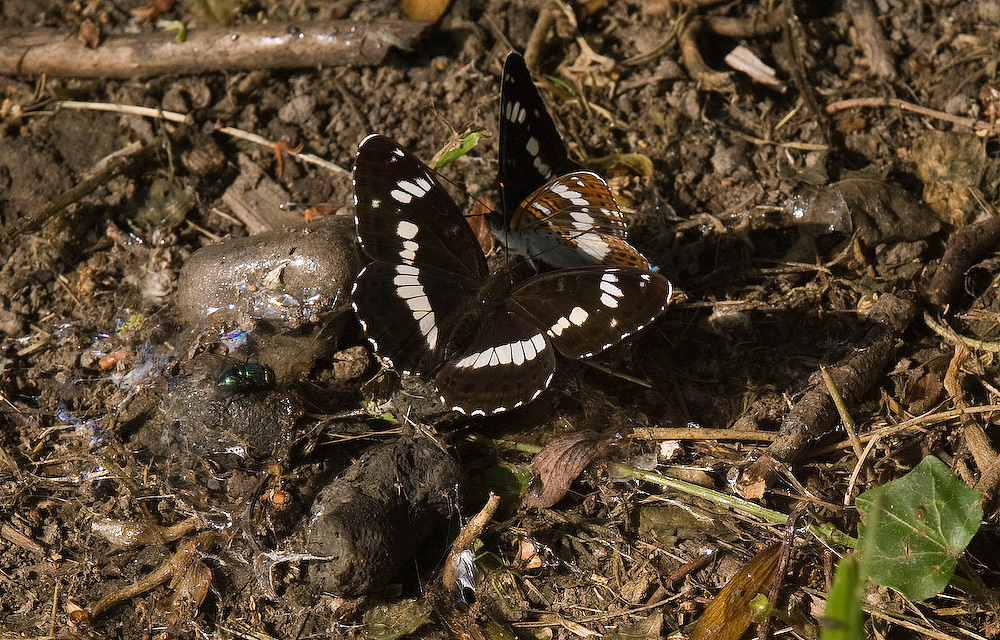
<point x="550" y="208"/>
<point x="429" y="304"/>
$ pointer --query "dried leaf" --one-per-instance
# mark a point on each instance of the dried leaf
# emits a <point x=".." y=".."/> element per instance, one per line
<point x="90" y="34"/>
<point x="477" y="220"/>
<point x="189" y="585"/>
<point x="559" y="463"/>
<point x="728" y="616"/>
<point x="638" y="163"/>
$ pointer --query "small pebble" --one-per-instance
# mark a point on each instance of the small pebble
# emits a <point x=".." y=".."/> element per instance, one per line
<point x="285" y="279"/>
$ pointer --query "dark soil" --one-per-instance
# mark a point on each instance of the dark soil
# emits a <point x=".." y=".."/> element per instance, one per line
<point x="781" y="223"/>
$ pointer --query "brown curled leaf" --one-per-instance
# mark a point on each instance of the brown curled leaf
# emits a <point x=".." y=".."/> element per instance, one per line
<point x="189" y="587"/>
<point x="477" y="220"/>
<point x="559" y="463"/>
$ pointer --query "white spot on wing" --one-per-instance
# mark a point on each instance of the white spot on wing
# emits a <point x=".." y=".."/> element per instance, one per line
<point x="543" y="169"/>
<point x="593" y="245"/>
<point x="412" y="293"/>
<point x="578" y="316"/>
<point x="582" y="220"/>
<point x="560" y="325"/>
<point x="409" y="251"/>
<point x="532" y="146"/>
<point x="407" y="230"/>
<point x="517" y="353"/>
<point x="608" y="285"/>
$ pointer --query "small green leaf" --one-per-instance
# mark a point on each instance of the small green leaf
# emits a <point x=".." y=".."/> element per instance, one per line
<point x="843" y="618"/>
<point x="760" y="608"/>
<point x="505" y="480"/>
<point x="465" y="144"/>
<point x="928" y="518"/>
<point x="562" y="84"/>
<point x="174" y="25"/>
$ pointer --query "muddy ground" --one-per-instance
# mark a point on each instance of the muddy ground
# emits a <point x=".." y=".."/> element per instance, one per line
<point x="781" y="216"/>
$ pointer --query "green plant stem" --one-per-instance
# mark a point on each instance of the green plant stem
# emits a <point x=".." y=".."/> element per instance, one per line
<point x="825" y="532"/>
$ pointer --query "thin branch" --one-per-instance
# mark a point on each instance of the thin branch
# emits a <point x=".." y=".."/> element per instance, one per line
<point x="854" y="103"/>
<point x="333" y="43"/>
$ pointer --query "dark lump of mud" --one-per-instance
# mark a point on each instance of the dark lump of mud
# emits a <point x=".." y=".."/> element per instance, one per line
<point x="365" y="526"/>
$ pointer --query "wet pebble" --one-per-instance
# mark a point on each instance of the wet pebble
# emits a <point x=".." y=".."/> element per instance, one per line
<point x="284" y="279"/>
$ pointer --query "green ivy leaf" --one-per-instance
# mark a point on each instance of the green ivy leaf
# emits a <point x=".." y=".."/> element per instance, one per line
<point x="928" y="517"/>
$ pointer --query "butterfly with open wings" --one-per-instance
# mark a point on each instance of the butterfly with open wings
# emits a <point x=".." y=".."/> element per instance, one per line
<point x="429" y="305"/>
<point x="550" y="208"/>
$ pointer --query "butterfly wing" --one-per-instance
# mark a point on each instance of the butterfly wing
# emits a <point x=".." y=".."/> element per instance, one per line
<point x="508" y="363"/>
<point x="405" y="216"/>
<point x="577" y="201"/>
<point x="585" y="310"/>
<point x="426" y="262"/>
<point x="531" y="150"/>
<point x="573" y="220"/>
<point x="405" y="314"/>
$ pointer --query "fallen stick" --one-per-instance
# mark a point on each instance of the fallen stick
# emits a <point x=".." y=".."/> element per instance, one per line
<point x="965" y="248"/>
<point x="241" y="48"/>
<point x="814" y="414"/>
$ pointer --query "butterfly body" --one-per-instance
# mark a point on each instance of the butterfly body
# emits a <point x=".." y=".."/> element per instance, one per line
<point x="429" y="304"/>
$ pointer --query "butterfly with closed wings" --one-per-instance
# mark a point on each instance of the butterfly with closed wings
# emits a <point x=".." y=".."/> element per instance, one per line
<point x="550" y="208"/>
<point x="429" y="305"/>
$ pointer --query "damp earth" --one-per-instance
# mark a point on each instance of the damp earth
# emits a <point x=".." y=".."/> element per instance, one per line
<point x="197" y="439"/>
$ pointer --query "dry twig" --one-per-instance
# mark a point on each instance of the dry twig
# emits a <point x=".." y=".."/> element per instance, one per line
<point x="964" y="249"/>
<point x="972" y="123"/>
<point x="815" y="414"/>
<point x="872" y="41"/>
<point x="247" y="47"/>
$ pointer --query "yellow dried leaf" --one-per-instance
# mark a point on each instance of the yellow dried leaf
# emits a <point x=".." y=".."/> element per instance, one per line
<point x="728" y="616"/>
